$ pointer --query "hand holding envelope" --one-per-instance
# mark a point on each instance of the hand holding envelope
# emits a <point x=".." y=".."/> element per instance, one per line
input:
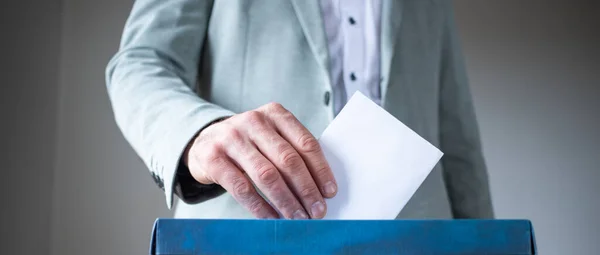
<point x="378" y="162"/>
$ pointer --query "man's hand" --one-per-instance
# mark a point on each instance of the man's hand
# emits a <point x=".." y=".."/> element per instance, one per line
<point x="267" y="146"/>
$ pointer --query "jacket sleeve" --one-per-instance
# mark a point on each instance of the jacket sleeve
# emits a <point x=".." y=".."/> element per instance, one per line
<point x="150" y="83"/>
<point x="465" y="171"/>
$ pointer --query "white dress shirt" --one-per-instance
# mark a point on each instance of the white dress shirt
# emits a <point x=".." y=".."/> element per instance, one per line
<point x="352" y="28"/>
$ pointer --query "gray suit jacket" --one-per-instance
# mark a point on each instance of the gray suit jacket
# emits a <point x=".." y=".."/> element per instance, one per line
<point x="185" y="63"/>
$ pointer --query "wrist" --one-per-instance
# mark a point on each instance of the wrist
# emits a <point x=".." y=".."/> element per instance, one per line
<point x="190" y="191"/>
<point x="188" y="148"/>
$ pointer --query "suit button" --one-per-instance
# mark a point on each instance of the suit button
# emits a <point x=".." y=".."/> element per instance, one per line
<point x="158" y="181"/>
<point x="352" y="21"/>
<point x="327" y="98"/>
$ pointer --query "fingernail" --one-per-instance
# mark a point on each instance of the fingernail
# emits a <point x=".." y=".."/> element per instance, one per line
<point x="330" y="188"/>
<point x="300" y="215"/>
<point x="318" y="209"/>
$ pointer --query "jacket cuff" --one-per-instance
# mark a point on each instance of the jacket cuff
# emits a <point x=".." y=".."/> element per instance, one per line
<point x="191" y="191"/>
<point x="170" y="147"/>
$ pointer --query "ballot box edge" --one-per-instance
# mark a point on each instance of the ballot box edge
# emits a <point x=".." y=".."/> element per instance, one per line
<point x="167" y="247"/>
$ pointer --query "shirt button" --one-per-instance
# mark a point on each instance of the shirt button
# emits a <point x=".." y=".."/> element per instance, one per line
<point x="352" y="77"/>
<point x="352" y="21"/>
<point x="327" y="98"/>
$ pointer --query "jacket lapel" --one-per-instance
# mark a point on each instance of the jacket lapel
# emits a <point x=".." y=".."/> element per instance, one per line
<point x="391" y="18"/>
<point x="309" y="15"/>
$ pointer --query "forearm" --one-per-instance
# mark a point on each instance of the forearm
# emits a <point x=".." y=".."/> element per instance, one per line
<point x="150" y="83"/>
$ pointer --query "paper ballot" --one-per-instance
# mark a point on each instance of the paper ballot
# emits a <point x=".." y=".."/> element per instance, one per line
<point x="378" y="162"/>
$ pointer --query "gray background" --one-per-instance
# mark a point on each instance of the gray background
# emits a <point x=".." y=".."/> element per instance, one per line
<point x="71" y="185"/>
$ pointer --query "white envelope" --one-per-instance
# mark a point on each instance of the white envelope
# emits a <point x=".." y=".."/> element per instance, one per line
<point x="378" y="162"/>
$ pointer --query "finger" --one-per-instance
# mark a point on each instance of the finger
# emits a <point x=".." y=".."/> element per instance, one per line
<point x="232" y="179"/>
<point x="266" y="177"/>
<point x="307" y="146"/>
<point x="291" y="166"/>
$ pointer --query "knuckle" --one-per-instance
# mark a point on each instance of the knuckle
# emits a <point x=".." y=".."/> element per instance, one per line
<point x="267" y="175"/>
<point x="308" y="192"/>
<point x="288" y="116"/>
<point x="254" y="117"/>
<point x="275" y="107"/>
<point x="232" y="134"/>
<point x="290" y="159"/>
<point x="288" y="204"/>
<point x="242" y="188"/>
<point x="322" y="170"/>
<point x="255" y="207"/>
<point x="308" y="143"/>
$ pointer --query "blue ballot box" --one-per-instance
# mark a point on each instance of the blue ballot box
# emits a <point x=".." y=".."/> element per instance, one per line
<point x="187" y="236"/>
